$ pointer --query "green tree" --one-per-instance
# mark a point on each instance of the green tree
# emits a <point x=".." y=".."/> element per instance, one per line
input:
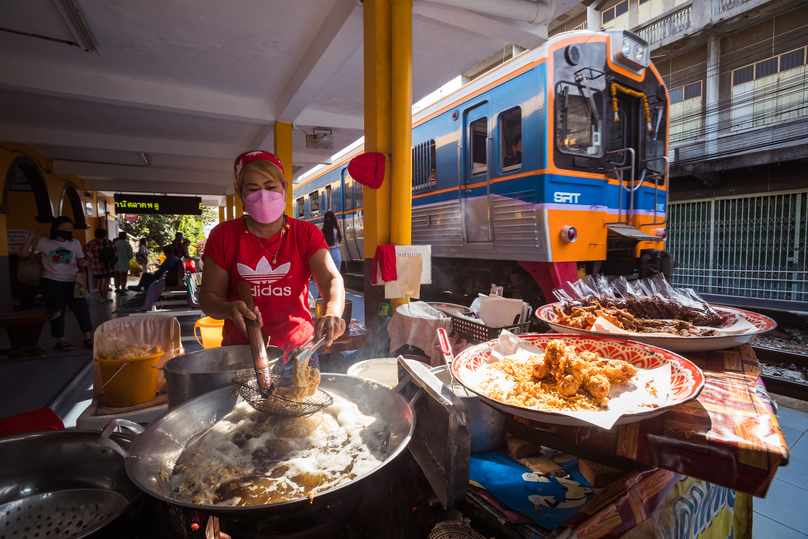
<point x="160" y="229"/>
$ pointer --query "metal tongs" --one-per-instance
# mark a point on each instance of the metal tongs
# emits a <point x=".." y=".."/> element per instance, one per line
<point x="257" y="347"/>
<point x="306" y="354"/>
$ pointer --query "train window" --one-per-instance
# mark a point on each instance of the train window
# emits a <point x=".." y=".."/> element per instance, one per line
<point x="358" y="195"/>
<point x="424" y="167"/>
<point x="577" y="130"/>
<point x="479" y="145"/>
<point x="348" y="193"/>
<point x="314" y="203"/>
<point x="301" y="208"/>
<point x="510" y="139"/>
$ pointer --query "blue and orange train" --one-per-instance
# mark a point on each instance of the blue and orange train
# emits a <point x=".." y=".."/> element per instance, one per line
<point x="551" y="164"/>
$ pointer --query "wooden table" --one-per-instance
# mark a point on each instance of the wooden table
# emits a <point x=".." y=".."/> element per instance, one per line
<point x="24" y="329"/>
<point x="356" y="337"/>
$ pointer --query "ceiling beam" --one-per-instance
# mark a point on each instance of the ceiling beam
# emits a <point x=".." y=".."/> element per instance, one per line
<point x="128" y="172"/>
<point x="101" y="141"/>
<point x="50" y="79"/>
<point x="128" y="186"/>
<point x="320" y="118"/>
<point x="338" y="39"/>
<point x="499" y="29"/>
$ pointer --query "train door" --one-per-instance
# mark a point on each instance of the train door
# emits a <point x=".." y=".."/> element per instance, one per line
<point x="350" y="230"/>
<point x="476" y="211"/>
<point x="624" y="149"/>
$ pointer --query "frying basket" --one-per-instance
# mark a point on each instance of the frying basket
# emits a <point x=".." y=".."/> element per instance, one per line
<point x="247" y="384"/>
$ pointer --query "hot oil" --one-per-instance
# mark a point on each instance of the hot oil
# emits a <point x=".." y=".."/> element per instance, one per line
<point x="249" y="459"/>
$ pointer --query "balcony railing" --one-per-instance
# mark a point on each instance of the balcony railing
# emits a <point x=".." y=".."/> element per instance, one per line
<point x="720" y="6"/>
<point x="670" y="25"/>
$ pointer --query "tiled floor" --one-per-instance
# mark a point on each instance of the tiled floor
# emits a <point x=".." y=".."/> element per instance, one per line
<point x="32" y="384"/>
<point x="783" y="513"/>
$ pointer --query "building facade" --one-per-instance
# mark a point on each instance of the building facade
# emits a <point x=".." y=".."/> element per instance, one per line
<point x="736" y="77"/>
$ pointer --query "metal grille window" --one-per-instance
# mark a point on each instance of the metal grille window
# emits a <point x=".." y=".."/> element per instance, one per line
<point x="754" y="246"/>
<point x="769" y="91"/>
<point x="301" y="208"/>
<point x="424" y="170"/>
<point x="314" y="203"/>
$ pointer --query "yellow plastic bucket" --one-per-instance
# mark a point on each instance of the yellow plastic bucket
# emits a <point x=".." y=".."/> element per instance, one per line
<point x="127" y="382"/>
<point x="211" y="331"/>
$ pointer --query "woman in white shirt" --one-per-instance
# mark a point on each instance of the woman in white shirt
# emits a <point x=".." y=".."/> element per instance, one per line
<point x="62" y="257"/>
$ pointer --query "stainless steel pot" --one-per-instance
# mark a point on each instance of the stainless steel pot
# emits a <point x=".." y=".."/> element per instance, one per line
<point x="159" y="447"/>
<point x="66" y="480"/>
<point x="194" y="374"/>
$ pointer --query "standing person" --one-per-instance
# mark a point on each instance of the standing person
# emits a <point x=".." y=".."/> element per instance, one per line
<point x="180" y="245"/>
<point x="333" y="237"/>
<point x="62" y="256"/>
<point x="125" y="255"/>
<point x="277" y="256"/>
<point x="142" y="257"/>
<point x="101" y="251"/>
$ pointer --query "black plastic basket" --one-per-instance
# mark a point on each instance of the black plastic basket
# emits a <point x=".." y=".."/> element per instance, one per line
<point x="477" y="332"/>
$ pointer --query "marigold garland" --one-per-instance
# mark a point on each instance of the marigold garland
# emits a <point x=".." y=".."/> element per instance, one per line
<point x="628" y="91"/>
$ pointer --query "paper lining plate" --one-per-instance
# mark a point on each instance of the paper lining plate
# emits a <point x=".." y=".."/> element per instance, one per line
<point x="678" y="344"/>
<point x="687" y="380"/>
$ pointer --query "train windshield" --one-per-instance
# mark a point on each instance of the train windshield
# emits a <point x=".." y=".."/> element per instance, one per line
<point x="578" y="126"/>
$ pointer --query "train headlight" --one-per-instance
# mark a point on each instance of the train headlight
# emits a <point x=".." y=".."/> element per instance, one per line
<point x="569" y="234"/>
<point x="628" y="50"/>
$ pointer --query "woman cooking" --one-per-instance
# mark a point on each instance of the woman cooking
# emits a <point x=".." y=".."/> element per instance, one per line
<point x="277" y="255"/>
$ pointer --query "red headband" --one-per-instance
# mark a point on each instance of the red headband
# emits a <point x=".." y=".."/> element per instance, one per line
<point x="254" y="156"/>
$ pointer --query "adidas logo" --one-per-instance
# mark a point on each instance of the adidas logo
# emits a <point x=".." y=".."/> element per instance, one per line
<point x="263" y="272"/>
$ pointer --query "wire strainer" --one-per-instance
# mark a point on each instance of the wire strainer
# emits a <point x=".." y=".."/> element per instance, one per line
<point x="454" y="530"/>
<point x="247" y="384"/>
<point x="66" y="513"/>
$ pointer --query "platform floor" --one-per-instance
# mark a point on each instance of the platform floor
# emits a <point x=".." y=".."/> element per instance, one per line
<point x="63" y="381"/>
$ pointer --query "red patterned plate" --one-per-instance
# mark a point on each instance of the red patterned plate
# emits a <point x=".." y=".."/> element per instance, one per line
<point x="675" y="343"/>
<point x="687" y="380"/>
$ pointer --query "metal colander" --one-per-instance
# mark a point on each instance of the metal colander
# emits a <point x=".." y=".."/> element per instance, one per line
<point x="65" y="513"/>
<point x="454" y="530"/>
<point x="247" y="384"/>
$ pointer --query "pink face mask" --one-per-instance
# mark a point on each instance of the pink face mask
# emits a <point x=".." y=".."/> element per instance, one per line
<point x="265" y="206"/>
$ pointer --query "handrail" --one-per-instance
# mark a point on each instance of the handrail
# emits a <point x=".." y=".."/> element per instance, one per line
<point x="656" y="189"/>
<point x="623" y="186"/>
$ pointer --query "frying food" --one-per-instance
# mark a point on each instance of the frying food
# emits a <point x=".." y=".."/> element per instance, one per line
<point x="305" y="379"/>
<point x="579" y="381"/>
<point x="584" y="318"/>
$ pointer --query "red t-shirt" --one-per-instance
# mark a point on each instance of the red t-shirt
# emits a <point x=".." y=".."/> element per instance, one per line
<point x="280" y="291"/>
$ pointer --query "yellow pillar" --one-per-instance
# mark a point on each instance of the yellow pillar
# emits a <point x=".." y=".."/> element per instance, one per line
<point x="378" y="95"/>
<point x="221" y="214"/>
<point x="239" y="207"/>
<point x="283" y="150"/>
<point x="229" y="210"/>
<point x="401" y="112"/>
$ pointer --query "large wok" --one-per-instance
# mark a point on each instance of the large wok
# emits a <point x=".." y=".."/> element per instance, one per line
<point x="159" y="447"/>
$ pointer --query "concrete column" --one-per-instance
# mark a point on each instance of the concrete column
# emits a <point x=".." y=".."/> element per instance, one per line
<point x="5" y="273"/>
<point x="378" y="95"/>
<point x="592" y="18"/>
<point x="229" y="211"/>
<point x="401" y="178"/>
<point x="711" y="94"/>
<point x="283" y="151"/>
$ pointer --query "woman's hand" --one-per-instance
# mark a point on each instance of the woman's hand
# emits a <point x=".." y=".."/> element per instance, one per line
<point x="81" y="263"/>
<point x="330" y="326"/>
<point x="238" y="313"/>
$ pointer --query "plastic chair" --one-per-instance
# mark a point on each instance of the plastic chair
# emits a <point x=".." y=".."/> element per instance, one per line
<point x="144" y="300"/>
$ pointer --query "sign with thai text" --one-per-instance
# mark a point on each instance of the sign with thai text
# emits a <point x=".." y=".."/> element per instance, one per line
<point x="154" y="204"/>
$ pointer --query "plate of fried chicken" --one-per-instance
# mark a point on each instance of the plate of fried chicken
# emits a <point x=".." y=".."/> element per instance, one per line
<point x="577" y="379"/>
